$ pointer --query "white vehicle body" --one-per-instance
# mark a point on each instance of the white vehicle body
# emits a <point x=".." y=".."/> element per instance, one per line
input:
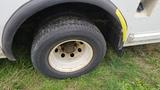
<point x="143" y="27"/>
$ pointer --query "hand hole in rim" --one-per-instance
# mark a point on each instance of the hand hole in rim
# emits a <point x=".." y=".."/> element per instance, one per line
<point x="62" y="55"/>
<point x="81" y="43"/>
<point x="79" y="50"/>
<point x="72" y="55"/>
<point x="56" y="50"/>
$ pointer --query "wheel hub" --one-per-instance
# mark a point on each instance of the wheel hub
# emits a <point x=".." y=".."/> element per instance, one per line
<point x="69" y="47"/>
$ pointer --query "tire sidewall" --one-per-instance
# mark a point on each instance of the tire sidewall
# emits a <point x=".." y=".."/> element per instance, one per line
<point x="41" y="54"/>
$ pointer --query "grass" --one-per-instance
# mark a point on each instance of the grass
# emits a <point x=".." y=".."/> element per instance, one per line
<point x="137" y="69"/>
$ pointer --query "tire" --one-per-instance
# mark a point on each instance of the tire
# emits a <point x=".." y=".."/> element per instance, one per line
<point x="67" y="47"/>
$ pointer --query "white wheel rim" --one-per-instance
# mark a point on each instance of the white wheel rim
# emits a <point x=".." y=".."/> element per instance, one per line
<point x="67" y="61"/>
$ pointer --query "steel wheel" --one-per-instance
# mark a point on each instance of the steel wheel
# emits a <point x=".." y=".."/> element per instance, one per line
<point x="70" y="56"/>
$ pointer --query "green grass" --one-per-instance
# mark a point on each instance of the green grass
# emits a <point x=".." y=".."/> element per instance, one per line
<point x="137" y="69"/>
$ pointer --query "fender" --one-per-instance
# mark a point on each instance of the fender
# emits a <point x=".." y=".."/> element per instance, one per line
<point x="34" y="6"/>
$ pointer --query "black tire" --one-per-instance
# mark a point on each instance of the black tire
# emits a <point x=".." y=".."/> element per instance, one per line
<point x="62" y="29"/>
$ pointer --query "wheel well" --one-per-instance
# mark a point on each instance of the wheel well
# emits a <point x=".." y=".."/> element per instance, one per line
<point x="108" y="25"/>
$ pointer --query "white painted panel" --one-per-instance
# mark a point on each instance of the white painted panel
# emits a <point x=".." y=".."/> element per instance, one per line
<point x="140" y="25"/>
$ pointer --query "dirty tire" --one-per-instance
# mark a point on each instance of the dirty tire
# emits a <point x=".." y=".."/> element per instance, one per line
<point x="63" y="29"/>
